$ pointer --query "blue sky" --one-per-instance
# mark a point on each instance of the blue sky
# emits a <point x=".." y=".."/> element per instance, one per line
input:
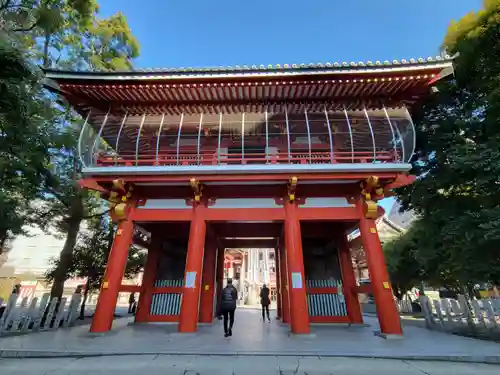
<point x="186" y="33"/>
<point x="194" y="33"/>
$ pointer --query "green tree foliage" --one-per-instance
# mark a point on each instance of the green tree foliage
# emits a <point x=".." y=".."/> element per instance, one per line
<point x="458" y="148"/>
<point x="404" y="269"/>
<point x="91" y="254"/>
<point x="107" y="44"/>
<point x="27" y="142"/>
<point x="64" y="34"/>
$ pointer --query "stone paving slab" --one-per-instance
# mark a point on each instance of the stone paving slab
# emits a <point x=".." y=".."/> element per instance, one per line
<point x="221" y="365"/>
<point x="251" y="337"/>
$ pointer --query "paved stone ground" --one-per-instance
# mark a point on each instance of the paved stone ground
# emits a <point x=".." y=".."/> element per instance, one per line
<point x="234" y="365"/>
<point x="252" y="337"/>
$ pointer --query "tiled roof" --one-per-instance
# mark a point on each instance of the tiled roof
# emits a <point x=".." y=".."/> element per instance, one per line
<point x="281" y="67"/>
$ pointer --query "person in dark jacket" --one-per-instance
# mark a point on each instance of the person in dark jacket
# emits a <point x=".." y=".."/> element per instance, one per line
<point x="265" y="301"/>
<point x="131" y="303"/>
<point x="229" y="296"/>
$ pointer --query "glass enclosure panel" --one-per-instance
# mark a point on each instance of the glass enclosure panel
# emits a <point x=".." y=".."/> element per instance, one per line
<point x="342" y="137"/>
<point x="230" y="139"/>
<point x="372" y="136"/>
<point x="321" y="138"/>
<point x="209" y="139"/>
<point x="383" y="135"/>
<point x="403" y="126"/>
<point x="255" y="138"/>
<point x="85" y="143"/>
<point x="188" y="140"/>
<point x="277" y="138"/>
<point x="145" y="145"/>
<point x="167" y="139"/>
<point x="101" y="148"/>
<point x="299" y="136"/>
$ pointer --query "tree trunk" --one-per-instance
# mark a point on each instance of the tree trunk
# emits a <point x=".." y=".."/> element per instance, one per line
<point x="84" y="301"/>
<point x="45" y="58"/>
<point x="66" y="255"/>
<point x="422" y="290"/>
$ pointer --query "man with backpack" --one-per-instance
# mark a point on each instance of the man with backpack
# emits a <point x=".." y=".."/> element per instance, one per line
<point x="265" y="301"/>
<point x="228" y="299"/>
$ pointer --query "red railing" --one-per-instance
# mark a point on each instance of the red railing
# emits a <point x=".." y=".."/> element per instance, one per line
<point x="213" y="158"/>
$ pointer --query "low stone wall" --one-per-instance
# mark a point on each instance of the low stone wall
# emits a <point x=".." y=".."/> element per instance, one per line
<point x="474" y="318"/>
<point x="25" y="315"/>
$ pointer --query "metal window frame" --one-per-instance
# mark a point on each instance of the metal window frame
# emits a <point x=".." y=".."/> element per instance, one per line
<point x="138" y="138"/>
<point x="267" y="136"/>
<point x="98" y="136"/>
<point x="288" y="134"/>
<point x="179" y="138"/>
<point x="79" y="145"/>
<point x="243" y="138"/>
<point x="219" y="138"/>
<point x="414" y="142"/>
<point x="117" y="143"/>
<point x="392" y="130"/>
<point x="198" y="141"/>
<point x="158" y="138"/>
<point x="371" y="133"/>
<point x="403" y="151"/>
<point x="350" y="133"/>
<point x="332" y="156"/>
<point x="308" y="134"/>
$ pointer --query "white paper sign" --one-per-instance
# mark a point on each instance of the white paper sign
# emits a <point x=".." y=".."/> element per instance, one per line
<point x="190" y="279"/>
<point x="296" y="280"/>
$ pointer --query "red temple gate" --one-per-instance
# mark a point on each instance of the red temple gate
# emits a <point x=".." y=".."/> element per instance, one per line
<point x="290" y="158"/>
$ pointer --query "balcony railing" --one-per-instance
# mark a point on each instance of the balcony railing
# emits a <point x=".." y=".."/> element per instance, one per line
<point x="216" y="139"/>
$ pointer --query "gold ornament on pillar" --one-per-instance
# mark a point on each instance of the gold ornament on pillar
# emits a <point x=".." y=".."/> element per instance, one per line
<point x="197" y="190"/>
<point x="119" y="197"/>
<point x="371" y="191"/>
<point x="292" y="187"/>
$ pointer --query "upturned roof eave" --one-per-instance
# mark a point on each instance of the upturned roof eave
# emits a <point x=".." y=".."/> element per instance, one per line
<point x="277" y="71"/>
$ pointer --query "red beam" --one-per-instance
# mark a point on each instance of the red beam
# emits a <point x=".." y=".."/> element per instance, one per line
<point x="248" y="214"/>
<point x="146" y="215"/>
<point x="247" y="229"/>
<point x="168" y="289"/>
<point x="249" y="244"/>
<point x="329" y="319"/>
<point x="330" y="213"/>
<point x="324" y="290"/>
<point x="281" y="177"/>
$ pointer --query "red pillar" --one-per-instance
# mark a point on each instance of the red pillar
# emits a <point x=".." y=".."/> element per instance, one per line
<point x="278" y="282"/>
<point x="295" y="268"/>
<point x="148" y="281"/>
<point x="348" y="280"/>
<point x="105" y="309"/>
<point x="285" y="296"/>
<point x="220" y="276"/>
<point x="188" y="318"/>
<point x="208" y="281"/>
<point x="387" y="313"/>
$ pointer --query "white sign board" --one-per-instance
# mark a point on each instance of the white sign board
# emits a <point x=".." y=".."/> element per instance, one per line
<point x="296" y="280"/>
<point x="190" y="279"/>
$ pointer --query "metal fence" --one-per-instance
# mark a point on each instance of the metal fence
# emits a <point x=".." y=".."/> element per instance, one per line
<point x="166" y="303"/>
<point x="326" y="304"/>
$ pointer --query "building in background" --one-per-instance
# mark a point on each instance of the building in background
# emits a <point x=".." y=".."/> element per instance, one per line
<point x="250" y="269"/>
<point x="389" y="226"/>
